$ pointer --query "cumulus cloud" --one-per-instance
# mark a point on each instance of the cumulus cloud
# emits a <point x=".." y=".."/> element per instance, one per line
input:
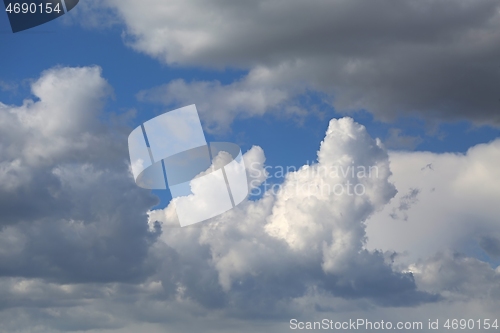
<point x="70" y="209"/>
<point x="308" y="235"/>
<point x="433" y="58"/>
<point x="456" y="207"/>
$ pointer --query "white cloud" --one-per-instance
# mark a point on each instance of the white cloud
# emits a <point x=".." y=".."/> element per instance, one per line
<point x="456" y="203"/>
<point x="220" y="104"/>
<point x="305" y="234"/>
<point x="62" y="122"/>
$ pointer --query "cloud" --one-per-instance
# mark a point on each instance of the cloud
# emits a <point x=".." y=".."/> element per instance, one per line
<point x="5" y="86"/>
<point x="70" y="209"/>
<point x="435" y="58"/>
<point x="220" y="104"/>
<point x="460" y="277"/>
<point x="491" y="245"/>
<point x="405" y="203"/>
<point x="456" y="207"/>
<point x="309" y="234"/>
<point x="397" y="141"/>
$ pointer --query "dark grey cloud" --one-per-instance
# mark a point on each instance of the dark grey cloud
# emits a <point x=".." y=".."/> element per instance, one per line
<point x="436" y="58"/>
<point x="459" y="276"/>
<point x="491" y="245"/>
<point x="385" y="286"/>
<point x="396" y="140"/>
<point x="405" y="203"/>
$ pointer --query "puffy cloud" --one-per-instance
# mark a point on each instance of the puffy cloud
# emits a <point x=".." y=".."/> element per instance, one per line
<point x="456" y="207"/>
<point x="70" y="209"/>
<point x="435" y="58"/>
<point x="449" y="236"/>
<point x="254" y="161"/>
<point x="309" y="234"/>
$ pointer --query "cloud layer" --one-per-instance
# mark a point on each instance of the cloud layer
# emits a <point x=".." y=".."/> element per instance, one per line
<point x="434" y="58"/>
<point x="81" y="250"/>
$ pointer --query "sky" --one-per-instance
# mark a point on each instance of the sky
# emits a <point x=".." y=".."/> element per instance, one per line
<point x="409" y="90"/>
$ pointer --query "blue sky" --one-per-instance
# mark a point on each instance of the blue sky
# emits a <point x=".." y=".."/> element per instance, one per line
<point x="79" y="240"/>
<point x="288" y="142"/>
